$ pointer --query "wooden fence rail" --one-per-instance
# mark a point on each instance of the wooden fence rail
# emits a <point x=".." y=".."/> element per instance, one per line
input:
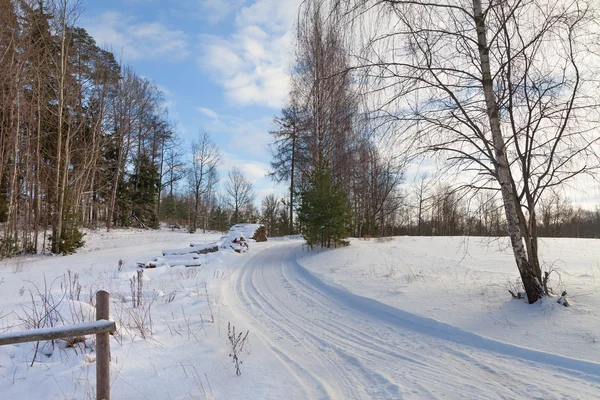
<point x="101" y="328"/>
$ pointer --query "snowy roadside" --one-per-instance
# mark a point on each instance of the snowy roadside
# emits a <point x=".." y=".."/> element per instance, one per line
<point x="173" y="344"/>
<point x="464" y="283"/>
<point x="342" y="345"/>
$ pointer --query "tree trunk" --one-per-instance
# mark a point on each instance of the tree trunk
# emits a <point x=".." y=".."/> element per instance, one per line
<point x="196" y="205"/>
<point x="160" y="174"/>
<point x="57" y="226"/>
<point x="293" y="162"/>
<point x="38" y="178"/>
<point x="115" y="183"/>
<point x="512" y="206"/>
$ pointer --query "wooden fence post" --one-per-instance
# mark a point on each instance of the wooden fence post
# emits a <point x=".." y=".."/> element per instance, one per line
<point x="102" y="349"/>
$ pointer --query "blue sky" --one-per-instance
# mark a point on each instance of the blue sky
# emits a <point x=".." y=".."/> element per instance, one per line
<point x="222" y="64"/>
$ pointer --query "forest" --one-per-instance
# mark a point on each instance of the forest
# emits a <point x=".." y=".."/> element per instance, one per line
<point x="85" y="142"/>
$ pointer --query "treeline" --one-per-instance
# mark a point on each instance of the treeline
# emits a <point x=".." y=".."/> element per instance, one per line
<point x="86" y="142"/>
<point x="439" y="210"/>
<point x="81" y="137"/>
<point x="339" y="180"/>
<point x="343" y="182"/>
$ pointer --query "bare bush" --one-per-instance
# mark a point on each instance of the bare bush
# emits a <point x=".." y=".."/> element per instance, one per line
<point x="71" y="285"/>
<point x="137" y="288"/>
<point x="21" y="266"/>
<point x="138" y="318"/>
<point x="212" y="317"/>
<point x="515" y="289"/>
<point x="42" y="311"/>
<point x="236" y="343"/>
<point x="188" y="273"/>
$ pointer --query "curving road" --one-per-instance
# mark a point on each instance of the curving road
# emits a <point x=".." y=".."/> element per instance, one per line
<point x="341" y="346"/>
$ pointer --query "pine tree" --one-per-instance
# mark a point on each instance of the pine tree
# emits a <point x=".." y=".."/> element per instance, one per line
<point x="289" y="151"/>
<point x="145" y="189"/>
<point x="219" y="219"/>
<point x="324" y="210"/>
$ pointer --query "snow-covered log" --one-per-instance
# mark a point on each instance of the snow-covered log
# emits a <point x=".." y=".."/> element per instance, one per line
<point x="58" y="332"/>
<point x="198" y="249"/>
<point x="191" y="260"/>
<point x="247" y="230"/>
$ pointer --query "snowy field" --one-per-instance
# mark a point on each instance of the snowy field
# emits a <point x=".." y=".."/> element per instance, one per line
<point x="414" y="318"/>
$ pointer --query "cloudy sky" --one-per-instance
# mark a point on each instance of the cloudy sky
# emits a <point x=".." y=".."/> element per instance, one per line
<point x="222" y="65"/>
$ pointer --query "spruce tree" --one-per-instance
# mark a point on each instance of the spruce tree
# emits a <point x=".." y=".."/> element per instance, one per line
<point x="144" y="185"/>
<point x="324" y="210"/>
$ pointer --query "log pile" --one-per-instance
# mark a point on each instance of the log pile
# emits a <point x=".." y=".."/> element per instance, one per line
<point x="261" y="234"/>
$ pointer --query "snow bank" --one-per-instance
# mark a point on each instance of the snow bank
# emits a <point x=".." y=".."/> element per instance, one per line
<point x="371" y="320"/>
<point x="194" y="248"/>
<point x="247" y="230"/>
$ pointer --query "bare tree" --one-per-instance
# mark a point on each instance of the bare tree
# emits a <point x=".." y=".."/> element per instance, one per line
<point x="322" y="96"/>
<point x="239" y="193"/>
<point x="383" y="178"/>
<point x="289" y="152"/>
<point x="322" y="127"/>
<point x="202" y="174"/>
<point x="74" y="131"/>
<point x="270" y="209"/>
<point x="422" y="196"/>
<point x="505" y="90"/>
<point x="171" y="165"/>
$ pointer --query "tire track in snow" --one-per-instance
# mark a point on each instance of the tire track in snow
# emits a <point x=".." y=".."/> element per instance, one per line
<point x="272" y="318"/>
<point x="339" y="345"/>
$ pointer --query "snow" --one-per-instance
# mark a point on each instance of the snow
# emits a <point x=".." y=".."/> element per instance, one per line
<point x="193" y="249"/>
<point x="21" y="336"/>
<point x="402" y="318"/>
<point x="245" y="230"/>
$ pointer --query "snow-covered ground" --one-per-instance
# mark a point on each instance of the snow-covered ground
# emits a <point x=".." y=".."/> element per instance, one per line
<point x="402" y="318"/>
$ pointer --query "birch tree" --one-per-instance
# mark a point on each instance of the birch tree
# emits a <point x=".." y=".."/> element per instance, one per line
<point x="239" y="194"/>
<point x="202" y="173"/>
<point x="505" y="92"/>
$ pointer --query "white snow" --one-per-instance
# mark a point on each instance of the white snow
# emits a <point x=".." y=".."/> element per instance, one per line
<point x="192" y="249"/>
<point x="245" y="230"/>
<point x="21" y="336"/>
<point x="403" y="318"/>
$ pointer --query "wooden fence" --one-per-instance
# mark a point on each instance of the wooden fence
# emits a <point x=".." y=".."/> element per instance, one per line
<point x="101" y="328"/>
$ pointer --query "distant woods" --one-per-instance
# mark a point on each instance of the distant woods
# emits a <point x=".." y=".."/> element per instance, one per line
<point x="82" y="139"/>
<point x="465" y="86"/>
<point x="86" y="142"/>
<point x="338" y="178"/>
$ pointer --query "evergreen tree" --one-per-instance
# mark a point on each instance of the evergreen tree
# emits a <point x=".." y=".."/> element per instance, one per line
<point x="145" y="190"/>
<point x="219" y="219"/>
<point x="123" y="203"/>
<point x="71" y="237"/>
<point x="289" y="151"/>
<point x="324" y="210"/>
<point x="282" y="225"/>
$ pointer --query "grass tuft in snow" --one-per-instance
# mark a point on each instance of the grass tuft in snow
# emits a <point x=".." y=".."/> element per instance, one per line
<point x="236" y="343"/>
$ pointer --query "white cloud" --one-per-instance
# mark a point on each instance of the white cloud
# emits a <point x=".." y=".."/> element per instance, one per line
<point x="252" y="63"/>
<point x="208" y="112"/>
<point x="137" y="40"/>
<point x="217" y="10"/>
<point x="163" y="89"/>
<point x="254" y="171"/>
<point x="211" y="11"/>
<point x="242" y="135"/>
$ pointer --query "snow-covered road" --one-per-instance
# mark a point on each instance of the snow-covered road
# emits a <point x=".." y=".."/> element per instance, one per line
<point x="338" y="345"/>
